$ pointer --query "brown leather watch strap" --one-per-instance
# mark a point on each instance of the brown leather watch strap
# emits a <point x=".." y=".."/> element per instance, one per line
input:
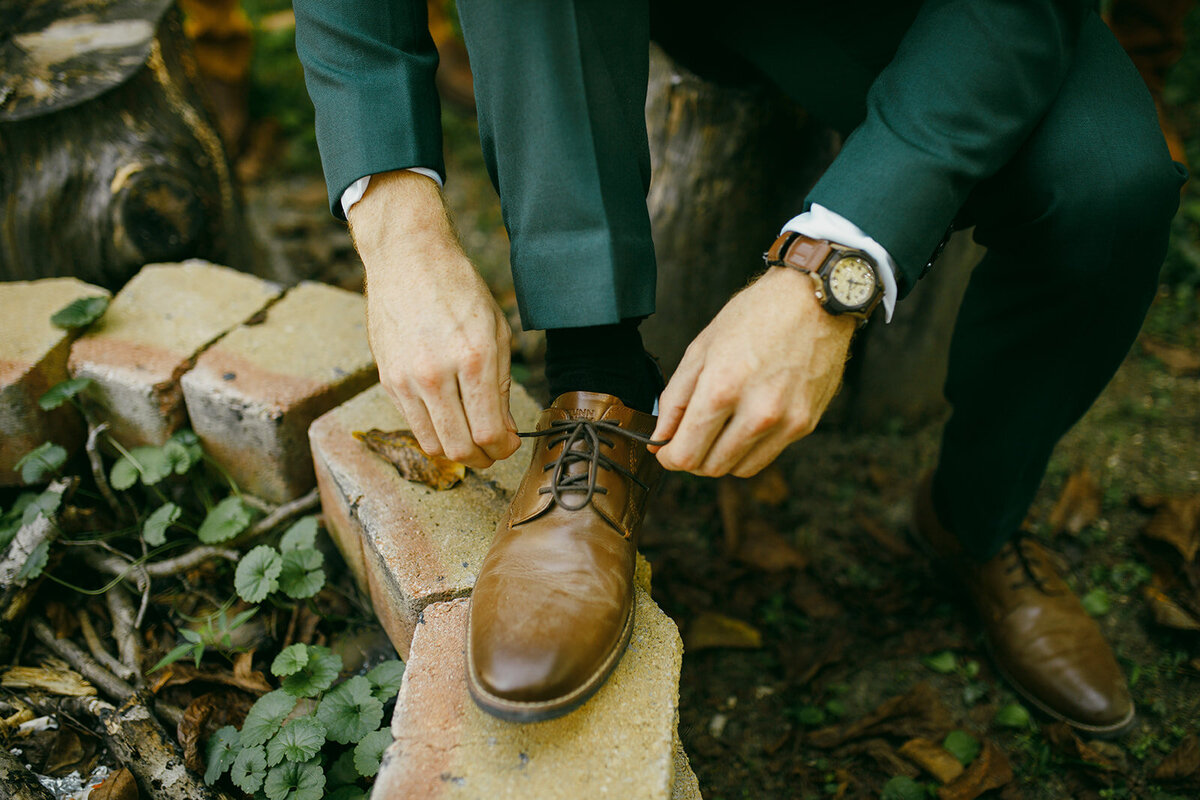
<point x="800" y="252"/>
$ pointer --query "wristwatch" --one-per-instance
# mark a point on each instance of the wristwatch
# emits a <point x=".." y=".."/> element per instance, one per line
<point x="847" y="280"/>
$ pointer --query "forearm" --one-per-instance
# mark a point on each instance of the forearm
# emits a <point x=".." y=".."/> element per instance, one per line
<point x="401" y="223"/>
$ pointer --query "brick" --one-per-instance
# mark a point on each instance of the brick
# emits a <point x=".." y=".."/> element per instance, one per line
<point x="408" y="545"/>
<point x="33" y="358"/>
<point x="621" y="743"/>
<point x="150" y="335"/>
<point x="252" y="395"/>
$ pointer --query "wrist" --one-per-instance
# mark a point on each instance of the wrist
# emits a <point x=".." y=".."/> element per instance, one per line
<point x="799" y="289"/>
<point x="402" y="217"/>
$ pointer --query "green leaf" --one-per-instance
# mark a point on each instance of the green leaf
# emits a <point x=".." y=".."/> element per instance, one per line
<point x="154" y="529"/>
<point x="944" y="662"/>
<point x="80" y="313"/>
<point x="811" y="716"/>
<point x="249" y="769"/>
<point x="1096" y="602"/>
<point x="151" y="464"/>
<point x="301" y="536"/>
<point x="385" y="680"/>
<point x="177" y="652"/>
<point x="257" y="572"/>
<point x="350" y="711"/>
<point x="227" y="519"/>
<point x="183" y="448"/>
<point x="902" y="787"/>
<point x="290" y="660"/>
<point x="302" y="575"/>
<point x="835" y="708"/>
<point x="347" y="792"/>
<point x="292" y="781"/>
<point x="43" y="505"/>
<point x="223" y="748"/>
<point x="1013" y="715"/>
<point x="123" y="474"/>
<point x="962" y="746"/>
<point x="36" y="562"/>
<point x="266" y="716"/>
<point x="299" y="741"/>
<point x="317" y="674"/>
<point x="369" y="752"/>
<point x="41" y="463"/>
<point x="12" y="520"/>
<point x="342" y="771"/>
<point x="61" y="392"/>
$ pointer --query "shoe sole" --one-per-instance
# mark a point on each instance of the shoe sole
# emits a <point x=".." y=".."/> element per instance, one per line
<point x="1103" y="731"/>
<point x="542" y="710"/>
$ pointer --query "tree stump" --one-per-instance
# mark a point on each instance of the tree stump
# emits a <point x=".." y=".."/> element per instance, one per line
<point x="108" y="159"/>
<point x="730" y="165"/>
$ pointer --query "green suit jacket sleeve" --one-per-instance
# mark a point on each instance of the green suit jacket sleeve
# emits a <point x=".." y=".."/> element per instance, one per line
<point x="369" y="70"/>
<point x="969" y="82"/>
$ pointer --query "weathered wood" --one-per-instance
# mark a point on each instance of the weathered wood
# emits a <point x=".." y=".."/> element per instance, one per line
<point x="18" y="782"/>
<point x="17" y="591"/>
<point x="133" y="172"/>
<point x="730" y="166"/>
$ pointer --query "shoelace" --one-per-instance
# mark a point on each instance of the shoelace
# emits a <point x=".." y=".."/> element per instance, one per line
<point x="568" y="432"/>
<point x="1021" y="562"/>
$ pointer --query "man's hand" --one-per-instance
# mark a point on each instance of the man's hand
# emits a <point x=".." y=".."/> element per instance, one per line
<point x="758" y="378"/>
<point x="438" y="336"/>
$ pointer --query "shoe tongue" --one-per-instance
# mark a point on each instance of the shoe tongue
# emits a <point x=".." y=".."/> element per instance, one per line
<point x="586" y="405"/>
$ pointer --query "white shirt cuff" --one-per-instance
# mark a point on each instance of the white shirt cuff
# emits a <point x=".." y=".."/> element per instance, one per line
<point x="355" y="191"/>
<point x="821" y="223"/>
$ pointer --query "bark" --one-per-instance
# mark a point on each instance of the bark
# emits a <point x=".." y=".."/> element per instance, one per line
<point x="135" y="174"/>
<point x="730" y="165"/>
<point x="17" y="592"/>
<point x="18" y="782"/>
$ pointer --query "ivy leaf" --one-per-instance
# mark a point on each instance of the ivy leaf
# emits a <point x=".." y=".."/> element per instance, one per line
<point x="299" y="741"/>
<point x="154" y="529"/>
<point x="903" y="787"/>
<point x="350" y="711"/>
<point x="36" y="562"/>
<point x="369" y="752"/>
<point x="249" y="769"/>
<point x="385" y="680"/>
<point x="151" y="464"/>
<point x="317" y="674"/>
<point x="301" y="536"/>
<point x="41" y="463"/>
<point x="257" y="572"/>
<point x="265" y="717"/>
<point x="1013" y="715"/>
<point x="302" y="575"/>
<point x="123" y="474"/>
<point x="80" y="313"/>
<point x="61" y="392"/>
<point x="962" y="746"/>
<point x="1096" y="602"/>
<point x="943" y="663"/>
<point x="292" y="781"/>
<point x="183" y="448"/>
<point x="342" y="771"/>
<point x="43" y="505"/>
<point x="227" y="519"/>
<point x="290" y="660"/>
<point x="223" y="747"/>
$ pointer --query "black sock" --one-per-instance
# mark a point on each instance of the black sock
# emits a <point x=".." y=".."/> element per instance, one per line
<point x="603" y="358"/>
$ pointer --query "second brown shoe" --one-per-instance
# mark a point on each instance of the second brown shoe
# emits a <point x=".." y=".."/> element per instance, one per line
<point x="552" y="609"/>
<point x="1041" y="638"/>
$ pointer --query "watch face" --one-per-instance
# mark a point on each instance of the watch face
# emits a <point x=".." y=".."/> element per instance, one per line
<point x="852" y="282"/>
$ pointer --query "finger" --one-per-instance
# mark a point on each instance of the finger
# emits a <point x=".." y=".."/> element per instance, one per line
<point x="706" y="415"/>
<point x="450" y="421"/>
<point x="674" y="399"/>
<point x="417" y="417"/>
<point x="505" y="343"/>
<point x="762" y="454"/>
<point x="737" y="440"/>
<point x="483" y="404"/>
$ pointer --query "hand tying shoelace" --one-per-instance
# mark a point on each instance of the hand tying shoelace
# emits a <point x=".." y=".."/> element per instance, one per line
<point x="568" y="432"/>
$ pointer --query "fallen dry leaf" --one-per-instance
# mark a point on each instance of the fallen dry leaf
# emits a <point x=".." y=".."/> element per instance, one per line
<point x="1168" y="613"/>
<point x="400" y="448"/>
<point x="63" y="619"/>
<point x="918" y="713"/>
<point x="711" y="629"/>
<point x="180" y="674"/>
<point x="933" y="758"/>
<point x="1079" y="504"/>
<point x="769" y="487"/>
<point x="1177" y="522"/>
<point x="120" y="785"/>
<point x="49" y="679"/>
<point x="1066" y="742"/>
<point x="205" y="715"/>
<point x="68" y="753"/>
<point x="762" y="547"/>
<point x="893" y="544"/>
<point x="990" y="770"/>
<point x="1178" y="360"/>
<point x="1182" y="763"/>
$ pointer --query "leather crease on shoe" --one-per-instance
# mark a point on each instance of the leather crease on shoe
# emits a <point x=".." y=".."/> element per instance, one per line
<point x="1020" y="563"/>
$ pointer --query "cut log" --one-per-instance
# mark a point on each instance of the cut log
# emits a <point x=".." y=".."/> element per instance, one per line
<point x="108" y="159"/>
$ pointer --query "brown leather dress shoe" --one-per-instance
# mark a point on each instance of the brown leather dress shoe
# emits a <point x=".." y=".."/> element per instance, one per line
<point x="552" y="609"/>
<point x="1040" y="637"/>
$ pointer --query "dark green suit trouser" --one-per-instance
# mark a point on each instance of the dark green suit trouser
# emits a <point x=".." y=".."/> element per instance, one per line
<point x="1024" y="119"/>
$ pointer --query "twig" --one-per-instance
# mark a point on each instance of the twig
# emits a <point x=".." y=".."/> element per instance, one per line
<point x="192" y="558"/>
<point x="280" y="515"/>
<point x="97" y="675"/>
<point x="98" y="475"/>
<point x="101" y="655"/>
<point x="19" y="781"/>
<point x="120" y="611"/>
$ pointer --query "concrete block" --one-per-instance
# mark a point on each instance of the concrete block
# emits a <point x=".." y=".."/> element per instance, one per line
<point x="252" y="395"/>
<point x="33" y="358"/>
<point x="150" y="335"/>
<point x="620" y="744"/>
<point x="407" y="544"/>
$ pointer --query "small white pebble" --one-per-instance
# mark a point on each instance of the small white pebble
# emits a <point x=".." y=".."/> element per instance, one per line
<point x="716" y="725"/>
<point x="762" y="691"/>
<point x="731" y="702"/>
